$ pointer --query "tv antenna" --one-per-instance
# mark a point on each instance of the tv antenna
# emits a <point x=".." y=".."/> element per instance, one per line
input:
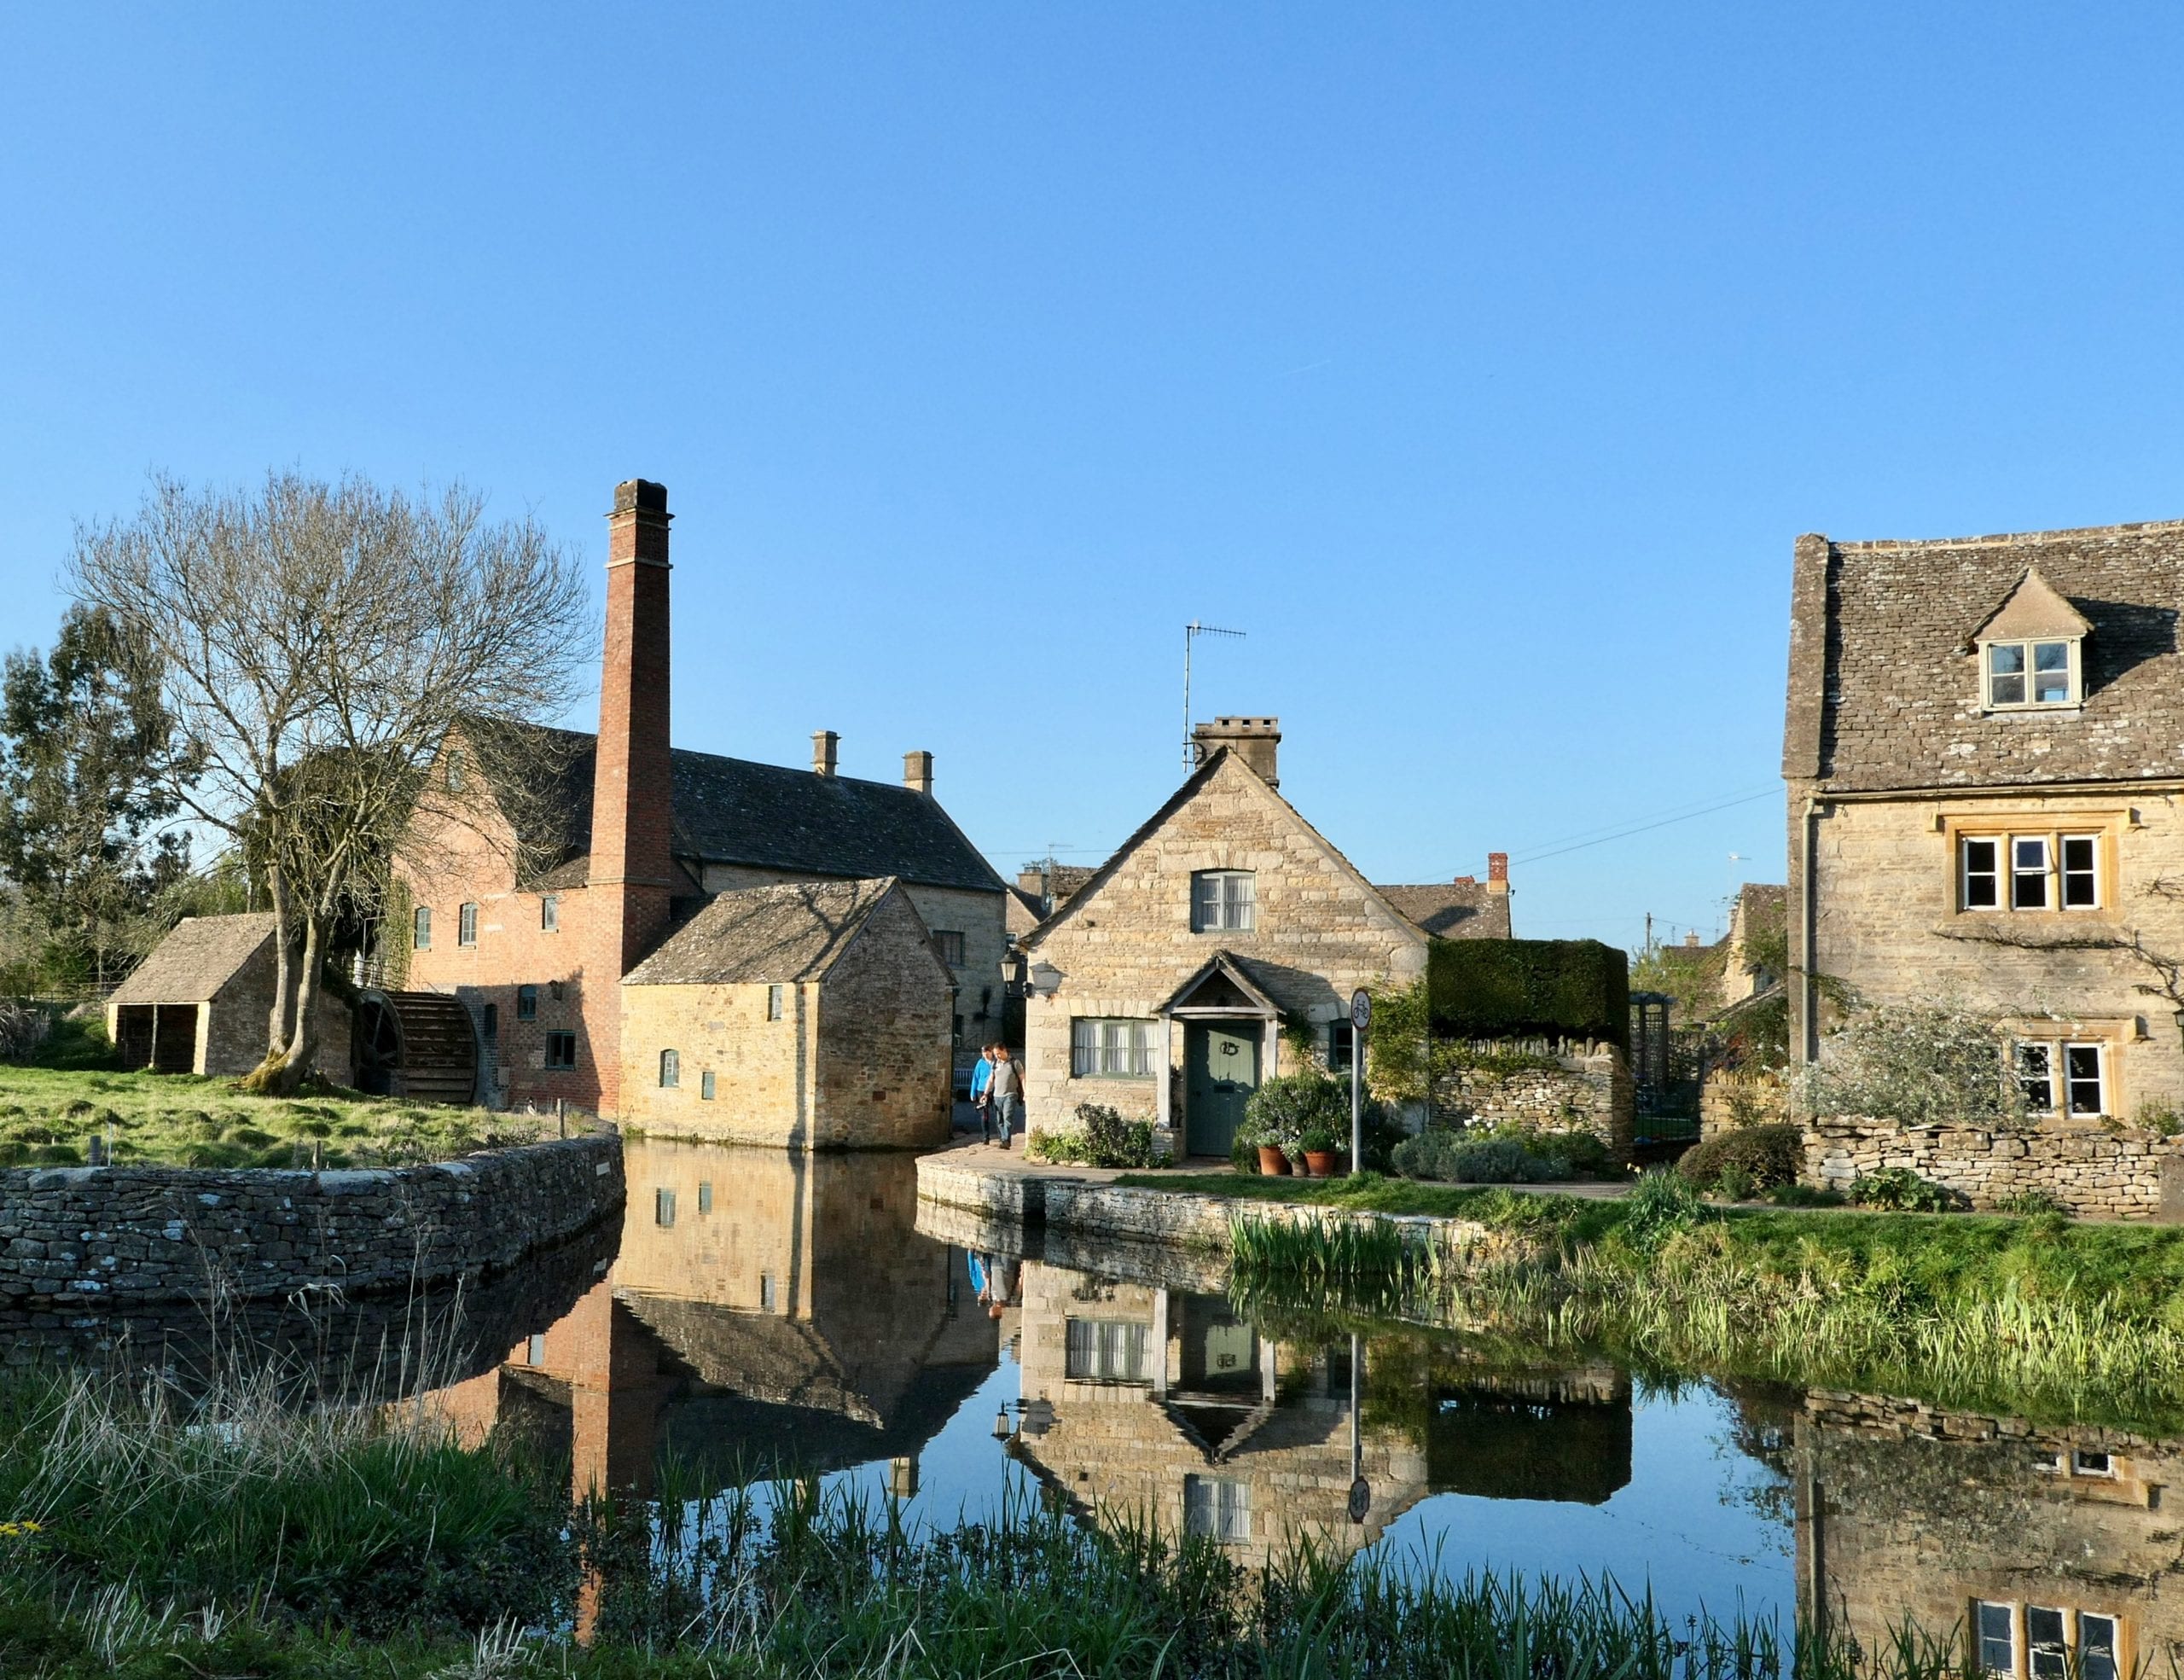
<point x="1192" y="631"/>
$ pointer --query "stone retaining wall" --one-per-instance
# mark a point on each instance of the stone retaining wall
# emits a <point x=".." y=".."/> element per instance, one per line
<point x="131" y="1234"/>
<point x="2088" y="1171"/>
<point x="1589" y="1092"/>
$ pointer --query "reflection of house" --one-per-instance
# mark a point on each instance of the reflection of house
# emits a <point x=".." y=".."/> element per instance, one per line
<point x="200" y="1003"/>
<point x="1163" y="985"/>
<point x="2049" y="1552"/>
<point x="595" y="845"/>
<point x="813" y="1013"/>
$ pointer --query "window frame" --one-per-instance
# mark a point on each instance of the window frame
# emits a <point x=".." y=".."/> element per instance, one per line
<point x="2058" y="1054"/>
<point x="466" y="927"/>
<point x="549" y="912"/>
<point x="670" y="1070"/>
<point x="705" y="1086"/>
<point x="2079" y="856"/>
<point x="527" y="1002"/>
<point x="1224" y="911"/>
<point x="1341" y="1045"/>
<point x="1225" y="1521"/>
<point x="560" y="1040"/>
<point x="2029" y="672"/>
<point x="420" y="927"/>
<point x="1098" y="1041"/>
<point x="947" y="947"/>
<point x="776" y="1002"/>
<point x="1115" y="1352"/>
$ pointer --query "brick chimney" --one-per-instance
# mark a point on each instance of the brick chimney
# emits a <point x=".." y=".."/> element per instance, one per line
<point x="917" y="773"/>
<point x="1497" y="872"/>
<point x="826" y="750"/>
<point x="632" y="865"/>
<point x="1254" y="740"/>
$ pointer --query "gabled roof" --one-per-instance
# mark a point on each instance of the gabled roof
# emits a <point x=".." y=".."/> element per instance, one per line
<point x="1453" y="909"/>
<point x="2032" y="608"/>
<point x="767" y="816"/>
<point x="1222" y="980"/>
<point x="777" y="935"/>
<point x="196" y="960"/>
<point x="1884" y="691"/>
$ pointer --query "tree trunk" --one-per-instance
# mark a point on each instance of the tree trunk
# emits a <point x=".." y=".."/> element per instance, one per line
<point x="277" y="1024"/>
<point x="296" y="986"/>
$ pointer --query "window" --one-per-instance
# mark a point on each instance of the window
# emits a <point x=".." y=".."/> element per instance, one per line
<point x="2032" y="673"/>
<point x="535" y="1354"/>
<point x="776" y="1000"/>
<point x="670" y="1070"/>
<point x="454" y="769"/>
<point x="1224" y="901"/>
<point x="2045" y="872"/>
<point x="1217" y="1507"/>
<point x="765" y="1292"/>
<point x="549" y="914"/>
<point x="1995" y="1628"/>
<point x="2082" y="1071"/>
<point x="949" y="944"/>
<point x="2044" y="1640"/>
<point x="527" y="1002"/>
<point x="1105" y="1350"/>
<point x="554" y="990"/>
<point x="561" y="1050"/>
<point x="2085" y="1464"/>
<point x="1341" y="1038"/>
<point x="420" y="927"/>
<point x="493" y="1014"/>
<point x="663" y="1207"/>
<point x="2096" y="1647"/>
<point x="706" y="1086"/>
<point x="705" y="1193"/>
<point x="465" y="925"/>
<point x="1112" y="1049"/>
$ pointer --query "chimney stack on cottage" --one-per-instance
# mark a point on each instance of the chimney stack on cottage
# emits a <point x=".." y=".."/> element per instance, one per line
<point x="632" y="865"/>
<point x="1497" y="872"/>
<point x="917" y="773"/>
<point x="1254" y="740"/>
<point x="826" y="752"/>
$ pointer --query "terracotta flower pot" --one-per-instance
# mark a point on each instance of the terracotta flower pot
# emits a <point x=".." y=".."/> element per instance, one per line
<point x="1273" y="1164"/>
<point x="1321" y="1163"/>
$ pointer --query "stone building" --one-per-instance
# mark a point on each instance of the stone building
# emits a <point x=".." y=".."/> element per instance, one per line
<point x="1218" y="946"/>
<point x="202" y="1002"/>
<point x="812" y="1014"/>
<point x="592" y="848"/>
<point x="1985" y="752"/>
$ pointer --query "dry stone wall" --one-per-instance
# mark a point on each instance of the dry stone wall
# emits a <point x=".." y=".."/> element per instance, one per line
<point x="2120" y="1175"/>
<point x="1585" y="1092"/>
<point x="134" y="1234"/>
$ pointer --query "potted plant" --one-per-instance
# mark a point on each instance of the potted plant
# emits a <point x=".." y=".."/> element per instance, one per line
<point x="1284" y="1108"/>
<point x="1274" y="1160"/>
<point x="1322" y="1150"/>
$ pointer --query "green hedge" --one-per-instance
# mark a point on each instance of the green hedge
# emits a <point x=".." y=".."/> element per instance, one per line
<point x="1511" y="988"/>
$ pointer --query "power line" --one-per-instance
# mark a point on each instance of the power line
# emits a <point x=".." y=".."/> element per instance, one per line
<point x="1681" y="808"/>
<point x="1646" y="827"/>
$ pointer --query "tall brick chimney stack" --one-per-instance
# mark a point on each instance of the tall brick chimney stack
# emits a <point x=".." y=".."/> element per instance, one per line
<point x="1497" y="872"/>
<point x="1256" y="740"/>
<point x="632" y="866"/>
<point x="826" y="752"/>
<point x="917" y="773"/>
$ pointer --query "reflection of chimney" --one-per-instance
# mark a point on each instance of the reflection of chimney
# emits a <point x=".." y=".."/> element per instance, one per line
<point x="1253" y="740"/>
<point x="631" y="816"/>
<point x="917" y="773"/>
<point x="1497" y="872"/>
<point x="826" y="746"/>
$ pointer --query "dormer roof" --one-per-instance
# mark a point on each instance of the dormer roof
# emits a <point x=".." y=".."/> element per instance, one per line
<point x="2033" y="610"/>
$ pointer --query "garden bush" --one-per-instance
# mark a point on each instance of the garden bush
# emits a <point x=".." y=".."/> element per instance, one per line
<point x="1903" y="1191"/>
<point x="1758" y="1158"/>
<point x="1100" y="1137"/>
<point x="1458" y="1157"/>
<point x="1923" y="1064"/>
<point x="23" y="1028"/>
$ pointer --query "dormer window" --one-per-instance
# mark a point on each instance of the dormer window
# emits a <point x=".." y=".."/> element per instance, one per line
<point x="2032" y="673"/>
<point x="2029" y="649"/>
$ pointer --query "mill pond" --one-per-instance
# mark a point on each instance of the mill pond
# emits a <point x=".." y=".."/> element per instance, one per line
<point x="770" y="1320"/>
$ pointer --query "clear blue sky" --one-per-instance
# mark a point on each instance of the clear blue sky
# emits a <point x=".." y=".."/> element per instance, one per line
<point x="1482" y="364"/>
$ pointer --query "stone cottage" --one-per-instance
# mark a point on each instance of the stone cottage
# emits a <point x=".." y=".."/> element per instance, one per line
<point x="1218" y="946"/>
<point x="202" y="1000"/>
<point x="591" y="848"/>
<point x="812" y="1014"/>
<point x="1985" y="752"/>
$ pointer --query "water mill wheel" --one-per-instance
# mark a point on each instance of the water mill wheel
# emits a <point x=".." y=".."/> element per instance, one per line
<point x="416" y="1044"/>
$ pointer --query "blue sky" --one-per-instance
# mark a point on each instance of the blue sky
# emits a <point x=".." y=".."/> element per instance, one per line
<point x="1482" y="364"/>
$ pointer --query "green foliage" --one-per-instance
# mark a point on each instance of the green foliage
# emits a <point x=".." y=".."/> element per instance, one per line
<point x="1290" y="1106"/>
<point x="2158" y="1115"/>
<point x="2030" y="1202"/>
<point x="1660" y="1205"/>
<point x="1901" y="1190"/>
<point x="1762" y="1157"/>
<point x="1100" y="1137"/>
<point x="1803" y="1195"/>
<point x="1517" y="988"/>
<point x="1457" y="1157"/>
<point x="1923" y="1064"/>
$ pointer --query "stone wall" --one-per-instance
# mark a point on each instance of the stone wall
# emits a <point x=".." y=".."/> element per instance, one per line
<point x="1729" y="1098"/>
<point x="886" y="1032"/>
<point x="764" y="1084"/>
<point x="1589" y="1091"/>
<point x="145" y="1233"/>
<point x="2130" y="1176"/>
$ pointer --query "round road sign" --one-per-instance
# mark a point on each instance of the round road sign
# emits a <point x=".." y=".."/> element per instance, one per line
<point x="1360" y="1008"/>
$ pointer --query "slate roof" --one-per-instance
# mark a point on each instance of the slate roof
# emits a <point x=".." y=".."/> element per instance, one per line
<point x="1454" y="910"/>
<point x="1884" y="689"/>
<point x="790" y="931"/>
<point x="733" y="811"/>
<point x="199" y="957"/>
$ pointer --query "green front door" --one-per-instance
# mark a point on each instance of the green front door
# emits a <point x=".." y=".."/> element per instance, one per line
<point x="1221" y="1070"/>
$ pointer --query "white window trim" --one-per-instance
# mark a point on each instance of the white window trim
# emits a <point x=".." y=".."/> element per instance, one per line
<point x="2074" y="687"/>
<point x="2059" y="1076"/>
<point x="2005" y="872"/>
<point x="1226" y="905"/>
<point x="1094" y="1041"/>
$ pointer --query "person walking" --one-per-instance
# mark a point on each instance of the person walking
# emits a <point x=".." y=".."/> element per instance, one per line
<point x="1005" y="1091"/>
<point x="981" y="1098"/>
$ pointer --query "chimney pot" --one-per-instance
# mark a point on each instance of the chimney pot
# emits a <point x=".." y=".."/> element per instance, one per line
<point x="1691" y="940"/>
<point x="640" y="496"/>
<point x="825" y="752"/>
<point x="1466" y="881"/>
<point x="1256" y="740"/>
<point x="917" y="773"/>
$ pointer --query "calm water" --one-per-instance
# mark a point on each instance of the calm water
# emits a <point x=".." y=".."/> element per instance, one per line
<point x="764" y="1313"/>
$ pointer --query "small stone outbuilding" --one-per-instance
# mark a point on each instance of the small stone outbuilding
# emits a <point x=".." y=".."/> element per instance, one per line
<point x="812" y="1014"/>
<point x="200" y="1003"/>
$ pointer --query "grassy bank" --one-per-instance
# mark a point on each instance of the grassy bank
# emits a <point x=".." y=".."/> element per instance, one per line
<point x="141" y="1542"/>
<point x="50" y="1115"/>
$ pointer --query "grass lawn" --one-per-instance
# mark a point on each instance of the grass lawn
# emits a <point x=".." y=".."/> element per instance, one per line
<point x="48" y="1115"/>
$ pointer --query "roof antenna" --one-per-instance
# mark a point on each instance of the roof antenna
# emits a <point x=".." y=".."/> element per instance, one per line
<point x="1192" y="631"/>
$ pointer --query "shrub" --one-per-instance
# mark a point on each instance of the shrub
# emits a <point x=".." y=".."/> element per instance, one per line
<point x="1514" y="988"/>
<point x="1803" y="1195"/>
<point x="1100" y="1137"/>
<point x="1923" y="1064"/>
<point x="1760" y="1157"/>
<point x="1289" y="1105"/>
<point x="1458" y="1157"/>
<point x="1659" y="1204"/>
<point x="2030" y="1202"/>
<point x="2157" y="1115"/>
<point x="1901" y="1190"/>
<point x="23" y="1028"/>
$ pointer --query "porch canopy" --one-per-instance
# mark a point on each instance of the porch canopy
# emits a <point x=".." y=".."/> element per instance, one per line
<point x="1221" y="990"/>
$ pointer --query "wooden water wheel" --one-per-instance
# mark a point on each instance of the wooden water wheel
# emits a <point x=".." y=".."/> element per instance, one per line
<point x="416" y="1044"/>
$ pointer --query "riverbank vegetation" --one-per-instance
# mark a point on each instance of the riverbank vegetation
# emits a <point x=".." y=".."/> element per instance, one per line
<point x="141" y="1540"/>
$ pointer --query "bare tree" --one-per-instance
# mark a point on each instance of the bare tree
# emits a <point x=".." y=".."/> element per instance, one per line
<point x="321" y="643"/>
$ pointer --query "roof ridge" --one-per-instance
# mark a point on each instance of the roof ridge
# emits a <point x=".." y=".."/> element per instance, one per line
<point x="2001" y="539"/>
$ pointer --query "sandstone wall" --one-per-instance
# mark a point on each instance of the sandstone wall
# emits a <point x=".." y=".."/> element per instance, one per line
<point x="1591" y="1092"/>
<point x="2087" y="1171"/>
<point x="1729" y="1099"/>
<point x="146" y="1233"/>
<point x="764" y="1088"/>
<point x="885" y="1077"/>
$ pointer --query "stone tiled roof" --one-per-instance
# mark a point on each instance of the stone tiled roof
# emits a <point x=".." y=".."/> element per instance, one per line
<point x="1883" y="688"/>
<point x="733" y="811"/>
<point x="196" y="960"/>
<point x="1452" y="910"/>
<point x="792" y="931"/>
